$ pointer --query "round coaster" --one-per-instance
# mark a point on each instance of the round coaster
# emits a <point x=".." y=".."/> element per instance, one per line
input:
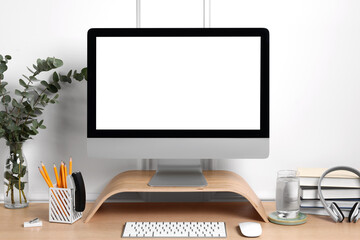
<point x="274" y="218"/>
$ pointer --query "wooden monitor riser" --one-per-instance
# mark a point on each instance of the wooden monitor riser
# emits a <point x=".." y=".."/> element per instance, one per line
<point x="218" y="181"/>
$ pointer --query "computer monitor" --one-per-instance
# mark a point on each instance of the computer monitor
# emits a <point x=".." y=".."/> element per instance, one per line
<point x="194" y="93"/>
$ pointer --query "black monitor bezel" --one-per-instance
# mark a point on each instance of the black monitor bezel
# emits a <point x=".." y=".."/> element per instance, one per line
<point x="92" y="132"/>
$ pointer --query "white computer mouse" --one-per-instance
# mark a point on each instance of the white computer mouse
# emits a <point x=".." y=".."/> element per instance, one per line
<point x="250" y="229"/>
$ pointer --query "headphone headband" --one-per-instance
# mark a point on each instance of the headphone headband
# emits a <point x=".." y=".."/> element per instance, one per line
<point x="327" y="208"/>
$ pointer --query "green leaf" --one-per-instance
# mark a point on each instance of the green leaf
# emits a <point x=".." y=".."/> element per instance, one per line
<point x="55" y="77"/>
<point x="35" y="123"/>
<point x="57" y="85"/>
<point x="39" y="64"/>
<point x="84" y="72"/>
<point x="3" y="67"/>
<point x="16" y="104"/>
<point x="34" y="97"/>
<point x="3" y="84"/>
<point x="3" y="90"/>
<point x="33" y="79"/>
<point x="17" y="92"/>
<point x="47" y="65"/>
<point x="6" y="99"/>
<point x="8" y="175"/>
<point x="49" y="62"/>
<point x="23" y="171"/>
<point x="12" y="126"/>
<point x="34" y="130"/>
<point x="14" y="179"/>
<point x="44" y="83"/>
<point x="57" y="62"/>
<point x="1" y="76"/>
<point x="69" y="74"/>
<point x="78" y="76"/>
<point x="64" y="78"/>
<point x="42" y="99"/>
<point x="15" y="168"/>
<point x="22" y="83"/>
<point x="26" y="95"/>
<point x="28" y="107"/>
<point x="43" y="65"/>
<point x="22" y="185"/>
<point x="1" y="57"/>
<point x="42" y="126"/>
<point x="2" y="132"/>
<point x="52" y="88"/>
<point x="30" y="70"/>
<point x="26" y="77"/>
<point x="8" y="57"/>
<point x="37" y="111"/>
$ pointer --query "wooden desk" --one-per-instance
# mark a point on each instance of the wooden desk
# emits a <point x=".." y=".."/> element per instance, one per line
<point x="108" y="223"/>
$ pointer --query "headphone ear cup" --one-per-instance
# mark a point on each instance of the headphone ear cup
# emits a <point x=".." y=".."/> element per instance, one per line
<point x="337" y="211"/>
<point x="354" y="213"/>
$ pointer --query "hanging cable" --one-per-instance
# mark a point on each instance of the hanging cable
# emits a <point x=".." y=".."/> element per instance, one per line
<point x="206" y="13"/>
<point x="138" y="13"/>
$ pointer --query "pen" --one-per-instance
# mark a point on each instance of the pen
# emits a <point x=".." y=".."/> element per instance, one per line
<point x="57" y="177"/>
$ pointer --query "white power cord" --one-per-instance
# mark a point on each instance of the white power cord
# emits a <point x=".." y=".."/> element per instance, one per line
<point x="146" y="164"/>
<point x="206" y="13"/>
<point x="138" y="13"/>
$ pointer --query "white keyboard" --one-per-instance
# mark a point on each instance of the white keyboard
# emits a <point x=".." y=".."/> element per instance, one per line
<point x="174" y="229"/>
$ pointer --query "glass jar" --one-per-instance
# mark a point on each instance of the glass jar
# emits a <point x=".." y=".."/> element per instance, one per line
<point x="16" y="180"/>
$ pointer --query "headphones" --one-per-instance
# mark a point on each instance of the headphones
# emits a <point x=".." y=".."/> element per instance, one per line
<point x="333" y="209"/>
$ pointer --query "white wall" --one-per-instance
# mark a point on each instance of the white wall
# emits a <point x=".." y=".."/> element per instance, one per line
<point x="314" y="74"/>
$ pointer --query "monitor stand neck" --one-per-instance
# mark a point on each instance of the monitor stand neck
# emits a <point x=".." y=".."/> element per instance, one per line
<point x="178" y="173"/>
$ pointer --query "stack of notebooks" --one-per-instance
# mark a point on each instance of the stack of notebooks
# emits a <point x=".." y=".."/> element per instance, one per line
<point x="341" y="187"/>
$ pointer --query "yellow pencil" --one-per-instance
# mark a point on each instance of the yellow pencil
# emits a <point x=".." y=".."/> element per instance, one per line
<point x="46" y="173"/>
<point x="46" y="180"/>
<point x="65" y="171"/>
<point x="57" y="177"/>
<point x="70" y="166"/>
<point x="62" y="175"/>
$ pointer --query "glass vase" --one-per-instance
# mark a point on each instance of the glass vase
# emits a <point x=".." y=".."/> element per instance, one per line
<point x="16" y="182"/>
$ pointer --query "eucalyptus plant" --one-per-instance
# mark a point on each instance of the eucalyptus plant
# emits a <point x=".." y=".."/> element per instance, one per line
<point x="20" y="115"/>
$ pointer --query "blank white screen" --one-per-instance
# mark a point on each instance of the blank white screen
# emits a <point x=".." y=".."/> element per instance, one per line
<point x="178" y="83"/>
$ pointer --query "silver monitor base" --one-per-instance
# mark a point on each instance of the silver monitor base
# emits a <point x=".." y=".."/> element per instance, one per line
<point x="178" y="176"/>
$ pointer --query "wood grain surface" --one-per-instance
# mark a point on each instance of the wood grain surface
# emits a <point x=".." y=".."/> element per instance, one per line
<point x="218" y="181"/>
<point x="109" y="222"/>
